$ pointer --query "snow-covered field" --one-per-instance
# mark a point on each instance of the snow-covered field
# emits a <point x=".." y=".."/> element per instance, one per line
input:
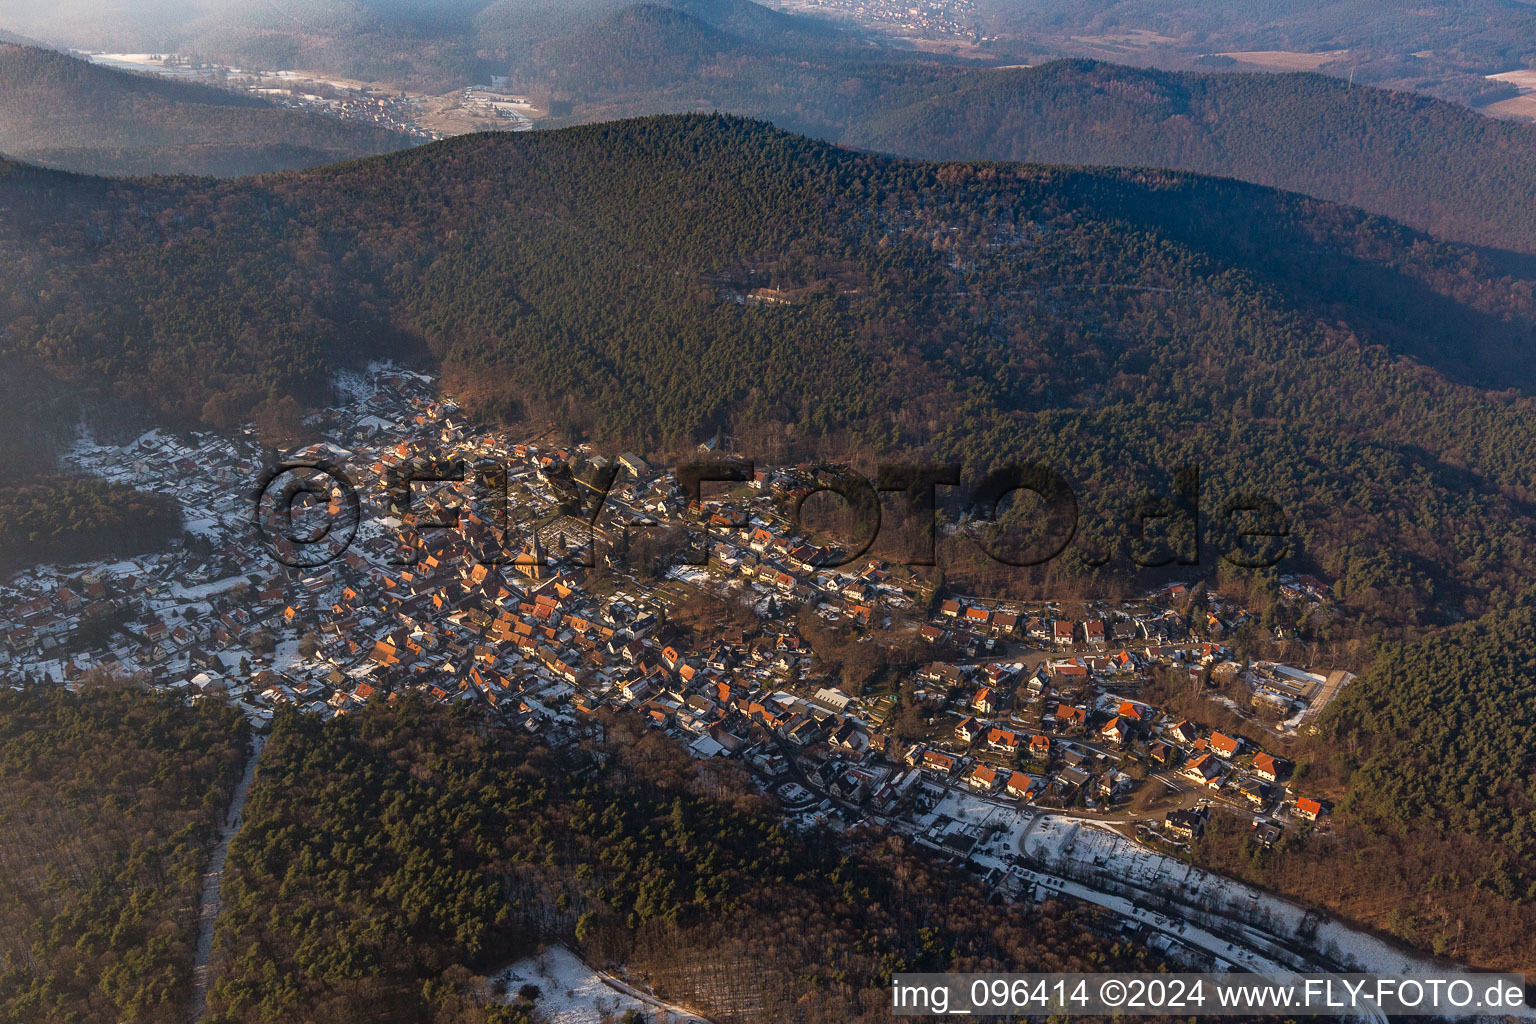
<point x="570" y="992"/>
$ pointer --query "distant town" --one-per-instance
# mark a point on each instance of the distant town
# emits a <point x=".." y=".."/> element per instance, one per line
<point x="487" y="107"/>
<point x="917" y="19"/>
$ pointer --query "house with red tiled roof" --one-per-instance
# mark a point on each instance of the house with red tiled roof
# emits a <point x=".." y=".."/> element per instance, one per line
<point x="1202" y="769"/>
<point x="1003" y="739"/>
<point x="1224" y="745"/>
<point x="1268" y="767"/>
<point x="1116" y="730"/>
<point x="1067" y="715"/>
<point x="939" y="762"/>
<point x="983" y="778"/>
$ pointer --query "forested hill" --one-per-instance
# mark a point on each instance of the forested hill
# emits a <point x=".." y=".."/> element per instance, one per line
<point x="1113" y="323"/>
<point x="1431" y="164"/>
<point x="65" y="112"/>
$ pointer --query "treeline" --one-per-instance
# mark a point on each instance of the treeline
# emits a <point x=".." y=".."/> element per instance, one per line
<point x="49" y="515"/>
<point x="62" y="111"/>
<point x="391" y="859"/>
<point x="110" y="799"/>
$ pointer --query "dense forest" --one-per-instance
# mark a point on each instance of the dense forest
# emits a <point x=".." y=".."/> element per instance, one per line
<point x="392" y="858"/>
<point x="1115" y="324"/>
<point x="56" y="517"/>
<point x="62" y="111"/>
<point x="109" y="803"/>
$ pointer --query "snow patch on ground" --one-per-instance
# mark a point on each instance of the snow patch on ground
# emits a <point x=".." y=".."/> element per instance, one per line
<point x="570" y="992"/>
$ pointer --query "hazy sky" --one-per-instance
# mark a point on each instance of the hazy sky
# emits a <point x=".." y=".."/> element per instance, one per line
<point x="137" y="24"/>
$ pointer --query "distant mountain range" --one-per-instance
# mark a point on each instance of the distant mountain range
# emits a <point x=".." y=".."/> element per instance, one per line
<point x="1430" y="164"/>
<point x="1444" y="50"/>
<point x="1433" y="165"/>
<point x="431" y="46"/>
<point x="64" y="112"/>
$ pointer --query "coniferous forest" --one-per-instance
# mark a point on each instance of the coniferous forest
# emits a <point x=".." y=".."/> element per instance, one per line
<point x="70" y="518"/>
<point x="110" y="799"/>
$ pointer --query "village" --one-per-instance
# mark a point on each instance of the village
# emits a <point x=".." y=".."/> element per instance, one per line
<point x="1018" y="719"/>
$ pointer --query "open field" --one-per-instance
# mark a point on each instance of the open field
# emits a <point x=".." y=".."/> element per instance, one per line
<point x="947" y="47"/>
<point x="450" y="114"/>
<point x="1130" y="39"/>
<point x="1524" y="78"/>
<point x="1285" y="60"/>
<point x="1523" y="106"/>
